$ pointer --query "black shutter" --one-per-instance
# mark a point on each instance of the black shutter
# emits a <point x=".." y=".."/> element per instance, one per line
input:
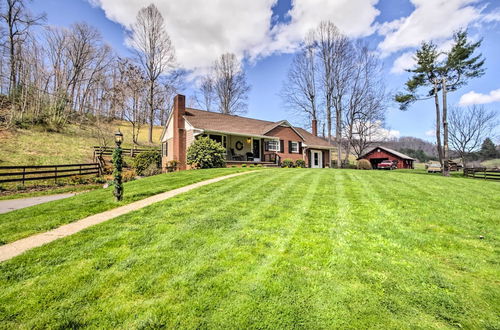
<point x="282" y="146"/>
<point x="289" y="147"/>
<point x="266" y="145"/>
<point x="300" y="147"/>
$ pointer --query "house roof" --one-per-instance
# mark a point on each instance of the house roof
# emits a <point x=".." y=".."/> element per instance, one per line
<point x="391" y="151"/>
<point x="214" y="121"/>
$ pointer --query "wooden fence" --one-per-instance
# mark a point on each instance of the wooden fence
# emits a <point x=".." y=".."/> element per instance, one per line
<point x="482" y="173"/>
<point x="108" y="151"/>
<point x="46" y="172"/>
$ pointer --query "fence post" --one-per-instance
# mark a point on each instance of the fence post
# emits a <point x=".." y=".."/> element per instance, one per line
<point x="55" y="174"/>
<point x="80" y="173"/>
<point x="24" y="174"/>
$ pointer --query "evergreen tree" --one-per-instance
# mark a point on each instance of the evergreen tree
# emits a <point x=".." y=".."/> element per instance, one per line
<point x="488" y="149"/>
<point x="442" y="73"/>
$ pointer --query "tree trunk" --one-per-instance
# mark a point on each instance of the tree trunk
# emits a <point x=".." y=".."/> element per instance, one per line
<point x="338" y="137"/>
<point x="446" y="156"/>
<point x="438" y="125"/>
<point x="151" y="112"/>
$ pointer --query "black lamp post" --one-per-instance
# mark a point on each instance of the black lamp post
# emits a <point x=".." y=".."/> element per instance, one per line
<point x="118" y="163"/>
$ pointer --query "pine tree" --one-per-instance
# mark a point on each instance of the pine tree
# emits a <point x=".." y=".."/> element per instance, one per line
<point x="442" y="73"/>
<point x="488" y="149"/>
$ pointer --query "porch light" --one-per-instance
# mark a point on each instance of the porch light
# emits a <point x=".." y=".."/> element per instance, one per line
<point x="249" y="140"/>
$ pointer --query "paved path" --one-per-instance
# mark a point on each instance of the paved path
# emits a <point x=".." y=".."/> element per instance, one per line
<point x="15" y="204"/>
<point x="13" y="249"/>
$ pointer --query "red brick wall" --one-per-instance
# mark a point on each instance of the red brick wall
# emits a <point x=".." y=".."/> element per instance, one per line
<point x="286" y="134"/>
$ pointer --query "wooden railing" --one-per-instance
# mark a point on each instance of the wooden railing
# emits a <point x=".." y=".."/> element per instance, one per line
<point x="482" y="173"/>
<point x="46" y="172"/>
<point x="108" y="151"/>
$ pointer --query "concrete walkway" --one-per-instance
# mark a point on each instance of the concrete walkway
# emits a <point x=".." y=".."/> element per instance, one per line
<point x="20" y="203"/>
<point x="13" y="249"/>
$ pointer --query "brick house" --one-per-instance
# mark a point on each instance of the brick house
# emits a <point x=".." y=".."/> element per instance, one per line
<point x="247" y="140"/>
<point x="379" y="154"/>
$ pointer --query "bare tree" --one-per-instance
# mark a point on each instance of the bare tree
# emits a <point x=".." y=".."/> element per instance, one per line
<point x="336" y="54"/>
<point x="205" y="97"/>
<point x="230" y="84"/>
<point x="133" y="95"/>
<point x="468" y="127"/>
<point x="365" y="107"/>
<point x="154" y="51"/>
<point x="19" y="21"/>
<point x="300" y="91"/>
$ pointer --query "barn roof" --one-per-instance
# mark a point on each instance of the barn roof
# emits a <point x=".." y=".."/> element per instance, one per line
<point x="391" y="151"/>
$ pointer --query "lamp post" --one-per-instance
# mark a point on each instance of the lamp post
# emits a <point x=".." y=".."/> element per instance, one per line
<point x="118" y="163"/>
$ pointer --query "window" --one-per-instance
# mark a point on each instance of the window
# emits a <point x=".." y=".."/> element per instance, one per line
<point x="273" y="145"/>
<point x="294" y="147"/>
<point x="165" y="149"/>
<point x="219" y="138"/>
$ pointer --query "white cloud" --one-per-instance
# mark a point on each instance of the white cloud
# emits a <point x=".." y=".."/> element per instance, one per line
<point x="434" y="20"/>
<point x="355" y="18"/>
<point x="404" y="62"/>
<point x="430" y="133"/>
<point x="478" y="98"/>
<point x="203" y="30"/>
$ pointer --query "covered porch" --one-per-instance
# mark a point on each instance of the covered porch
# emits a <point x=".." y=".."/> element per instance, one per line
<point x="247" y="149"/>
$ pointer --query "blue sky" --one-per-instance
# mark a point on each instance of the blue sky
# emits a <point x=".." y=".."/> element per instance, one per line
<point x="263" y="33"/>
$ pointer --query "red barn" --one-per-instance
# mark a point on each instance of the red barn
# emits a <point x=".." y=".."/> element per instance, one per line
<point x="378" y="154"/>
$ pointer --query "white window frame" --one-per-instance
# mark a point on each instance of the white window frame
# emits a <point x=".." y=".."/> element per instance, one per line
<point x="273" y="145"/>
<point x="295" y="147"/>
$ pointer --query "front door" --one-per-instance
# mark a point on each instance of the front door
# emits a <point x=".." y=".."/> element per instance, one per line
<point x="316" y="159"/>
<point x="256" y="150"/>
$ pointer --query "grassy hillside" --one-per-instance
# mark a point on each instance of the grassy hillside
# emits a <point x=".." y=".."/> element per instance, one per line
<point x="284" y="248"/>
<point x="73" y="145"/>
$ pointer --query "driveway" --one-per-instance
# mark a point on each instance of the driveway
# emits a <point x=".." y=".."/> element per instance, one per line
<point x="15" y="204"/>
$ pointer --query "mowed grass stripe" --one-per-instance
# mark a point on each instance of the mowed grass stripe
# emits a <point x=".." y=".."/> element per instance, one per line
<point x="134" y="243"/>
<point x="219" y="259"/>
<point x="272" y="237"/>
<point x="39" y="218"/>
<point x="279" y="248"/>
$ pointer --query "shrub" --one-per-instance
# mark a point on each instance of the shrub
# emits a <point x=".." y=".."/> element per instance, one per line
<point x="234" y="166"/>
<point x="206" y="153"/>
<point x="129" y="175"/>
<point x="79" y="179"/>
<point x="300" y="163"/>
<point x="252" y="166"/>
<point x="287" y="162"/>
<point x="146" y="159"/>
<point x="243" y="165"/>
<point x="364" y="164"/>
<point x="172" y="165"/>
<point x="259" y="165"/>
<point x="152" y="169"/>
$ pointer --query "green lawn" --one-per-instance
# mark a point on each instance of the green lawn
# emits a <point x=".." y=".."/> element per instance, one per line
<point x="293" y="248"/>
<point x="39" y="218"/>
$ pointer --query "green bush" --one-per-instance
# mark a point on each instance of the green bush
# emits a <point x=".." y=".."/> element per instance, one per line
<point x="364" y="164"/>
<point x="172" y="165"/>
<point x="206" y="153"/>
<point x="145" y="160"/>
<point x="252" y="166"/>
<point x="243" y="165"/>
<point x="259" y="165"/>
<point x="287" y="162"/>
<point x="300" y="163"/>
<point x="234" y="166"/>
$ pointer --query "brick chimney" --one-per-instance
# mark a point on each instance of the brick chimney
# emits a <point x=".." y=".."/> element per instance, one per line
<point x="179" y="139"/>
<point x="314" y="125"/>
